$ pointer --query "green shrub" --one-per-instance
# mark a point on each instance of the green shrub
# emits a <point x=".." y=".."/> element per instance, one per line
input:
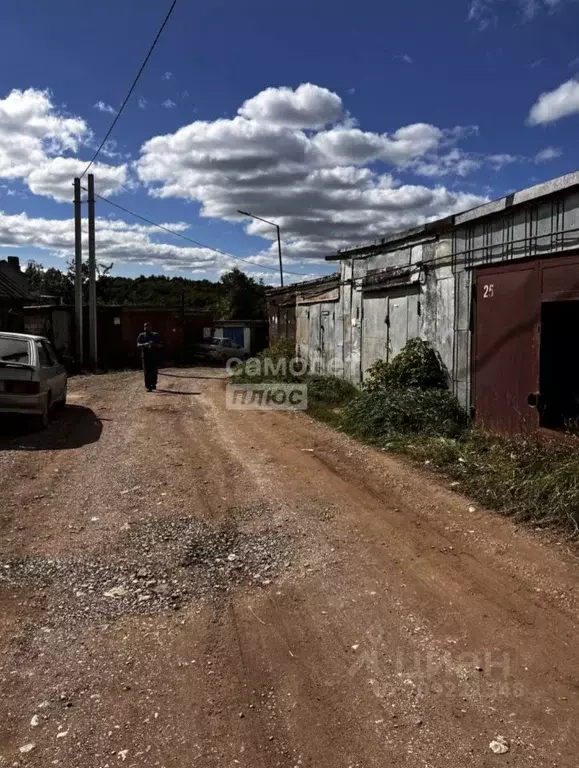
<point x="383" y="413"/>
<point x="272" y="364"/>
<point x="282" y="349"/>
<point x="330" y="390"/>
<point x="417" y="366"/>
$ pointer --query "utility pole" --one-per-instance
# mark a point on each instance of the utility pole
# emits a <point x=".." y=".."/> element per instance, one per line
<point x="273" y="224"/>
<point x="92" y="305"/>
<point x="279" y="254"/>
<point x="78" y="272"/>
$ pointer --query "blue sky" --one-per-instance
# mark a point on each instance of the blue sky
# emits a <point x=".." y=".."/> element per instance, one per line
<point x="341" y="121"/>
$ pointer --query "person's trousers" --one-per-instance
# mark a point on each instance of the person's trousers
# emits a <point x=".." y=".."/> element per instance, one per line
<point x="151" y="373"/>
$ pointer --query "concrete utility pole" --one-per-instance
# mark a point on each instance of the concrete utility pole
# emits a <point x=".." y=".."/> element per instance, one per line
<point x="92" y="305"/>
<point x="78" y="272"/>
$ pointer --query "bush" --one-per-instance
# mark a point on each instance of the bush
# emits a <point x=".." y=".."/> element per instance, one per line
<point x="330" y="390"/>
<point x="283" y="349"/>
<point x="417" y="366"/>
<point x="389" y="412"/>
<point x="272" y="364"/>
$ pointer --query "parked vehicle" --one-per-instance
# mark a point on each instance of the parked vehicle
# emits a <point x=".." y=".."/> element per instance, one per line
<point x="32" y="378"/>
<point x="219" y="350"/>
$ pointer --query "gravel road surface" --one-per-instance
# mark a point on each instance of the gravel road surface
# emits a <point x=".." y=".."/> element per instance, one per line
<point x="183" y="585"/>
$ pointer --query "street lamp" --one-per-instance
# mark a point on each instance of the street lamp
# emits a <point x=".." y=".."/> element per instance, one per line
<point x="251" y="216"/>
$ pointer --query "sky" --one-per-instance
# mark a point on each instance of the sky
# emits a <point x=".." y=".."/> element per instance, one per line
<point x="341" y="122"/>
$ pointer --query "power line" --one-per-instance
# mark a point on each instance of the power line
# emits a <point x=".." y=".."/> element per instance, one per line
<point x="132" y="88"/>
<point x="190" y="239"/>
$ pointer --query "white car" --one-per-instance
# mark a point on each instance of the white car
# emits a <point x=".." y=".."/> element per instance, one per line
<point x="220" y="350"/>
<point x="32" y="379"/>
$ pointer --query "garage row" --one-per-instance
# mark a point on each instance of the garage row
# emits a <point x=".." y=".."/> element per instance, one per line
<point x="495" y="290"/>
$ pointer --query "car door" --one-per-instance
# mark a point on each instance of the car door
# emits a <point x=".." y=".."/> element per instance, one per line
<point x="43" y="367"/>
<point x="58" y="377"/>
<point x="228" y="348"/>
<point x="47" y="371"/>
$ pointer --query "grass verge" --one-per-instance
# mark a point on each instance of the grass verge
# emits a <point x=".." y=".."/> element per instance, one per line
<point x="525" y="479"/>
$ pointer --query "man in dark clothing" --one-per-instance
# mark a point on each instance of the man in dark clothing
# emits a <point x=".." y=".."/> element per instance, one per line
<point x="149" y="342"/>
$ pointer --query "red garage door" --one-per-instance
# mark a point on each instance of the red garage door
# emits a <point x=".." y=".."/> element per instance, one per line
<point x="506" y="346"/>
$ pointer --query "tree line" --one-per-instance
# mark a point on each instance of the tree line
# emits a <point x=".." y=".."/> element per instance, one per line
<point x="235" y="296"/>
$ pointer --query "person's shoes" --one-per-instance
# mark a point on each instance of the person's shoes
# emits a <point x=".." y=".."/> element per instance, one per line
<point x="149" y="389"/>
<point x="154" y="389"/>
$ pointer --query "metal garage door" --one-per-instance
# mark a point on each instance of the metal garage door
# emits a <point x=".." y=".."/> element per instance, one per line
<point x="389" y="321"/>
<point x="506" y="346"/>
<point x="374" y="329"/>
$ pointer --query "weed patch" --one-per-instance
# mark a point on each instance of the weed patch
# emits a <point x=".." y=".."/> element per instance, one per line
<point x="531" y="481"/>
<point x="385" y="413"/>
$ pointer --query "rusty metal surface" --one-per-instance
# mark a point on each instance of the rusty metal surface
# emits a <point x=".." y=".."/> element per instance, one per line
<point x="560" y="279"/>
<point x="506" y="360"/>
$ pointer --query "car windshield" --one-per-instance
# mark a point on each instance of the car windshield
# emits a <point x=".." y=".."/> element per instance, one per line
<point x="14" y="350"/>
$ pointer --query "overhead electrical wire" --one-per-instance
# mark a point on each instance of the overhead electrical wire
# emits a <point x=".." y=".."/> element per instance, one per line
<point x="190" y="239"/>
<point x="137" y="215"/>
<point x="132" y="88"/>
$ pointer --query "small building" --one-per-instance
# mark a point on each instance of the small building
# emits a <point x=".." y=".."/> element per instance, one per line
<point x="289" y="310"/>
<point x="495" y="290"/>
<point x="14" y="294"/>
<point x="252" y="335"/>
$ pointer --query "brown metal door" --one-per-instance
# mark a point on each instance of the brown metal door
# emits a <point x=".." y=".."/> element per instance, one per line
<point x="560" y="278"/>
<point x="506" y="353"/>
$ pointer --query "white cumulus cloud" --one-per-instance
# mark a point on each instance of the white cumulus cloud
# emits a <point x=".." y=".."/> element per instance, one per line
<point x="500" y="160"/>
<point x="36" y="139"/>
<point x="553" y="105"/>
<point x="117" y="241"/>
<point x="549" y="153"/>
<point x="54" y="177"/>
<point x="294" y="156"/>
<point x="31" y="129"/>
<point x="309" y="106"/>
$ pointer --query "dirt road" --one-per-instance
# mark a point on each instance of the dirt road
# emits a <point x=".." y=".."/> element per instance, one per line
<point x="182" y="585"/>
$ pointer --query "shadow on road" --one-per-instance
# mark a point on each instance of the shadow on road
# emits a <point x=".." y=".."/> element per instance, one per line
<point x="174" y="392"/>
<point x="202" y="376"/>
<point x="72" y="428"/>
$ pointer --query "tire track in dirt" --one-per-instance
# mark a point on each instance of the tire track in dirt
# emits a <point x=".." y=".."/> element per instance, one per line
<point x="363" y="653"/>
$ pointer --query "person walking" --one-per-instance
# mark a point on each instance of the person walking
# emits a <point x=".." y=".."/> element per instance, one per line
<point x="149" y="343"/>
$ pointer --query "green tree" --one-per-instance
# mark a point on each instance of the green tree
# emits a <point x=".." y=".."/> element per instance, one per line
<point x="235" y="297"/>
<point x="35" y="275"/>
<point x="49" y="282"/>
<point x="243" y="298"/>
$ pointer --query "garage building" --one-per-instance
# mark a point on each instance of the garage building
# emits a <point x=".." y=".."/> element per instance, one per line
<point x="495" y="290"/>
